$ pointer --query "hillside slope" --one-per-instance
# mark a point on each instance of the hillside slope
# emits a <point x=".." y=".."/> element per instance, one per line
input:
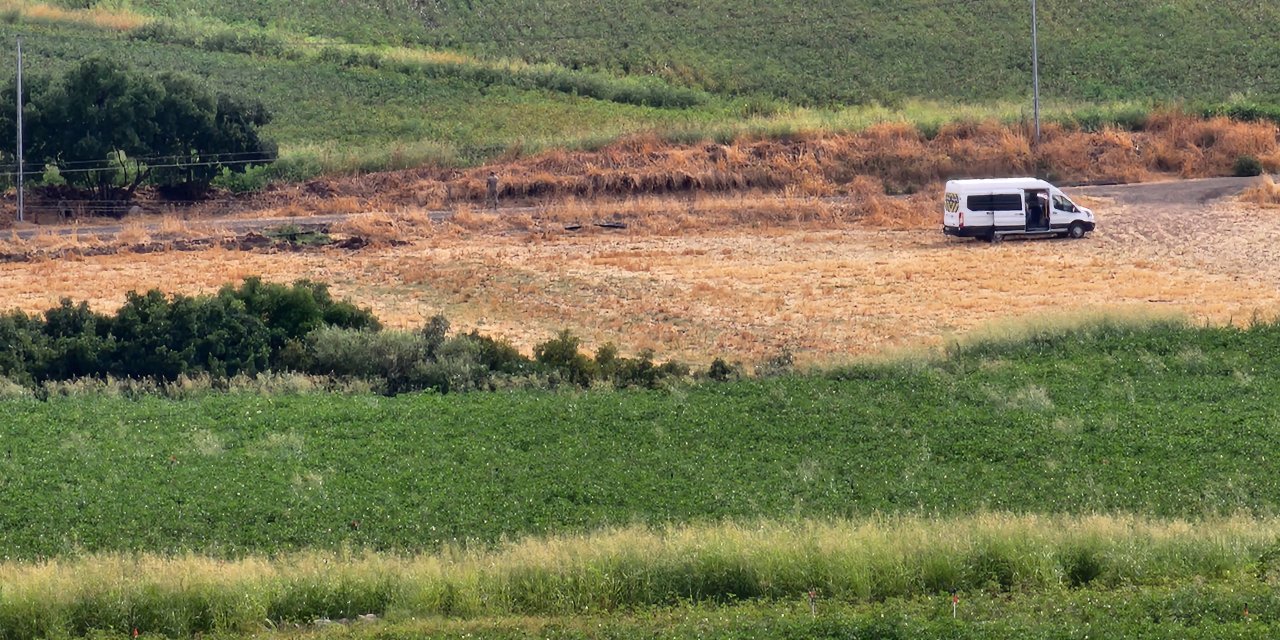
<point x="375" y="84"/>
<point x="846" y="51"/>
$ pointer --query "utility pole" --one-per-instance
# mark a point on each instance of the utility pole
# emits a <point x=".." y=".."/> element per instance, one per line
<point x="21" y="203"/>
<point x="1035" y="65"/>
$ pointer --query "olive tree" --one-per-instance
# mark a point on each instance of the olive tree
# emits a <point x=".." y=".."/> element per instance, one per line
<point x="110" y="129"/>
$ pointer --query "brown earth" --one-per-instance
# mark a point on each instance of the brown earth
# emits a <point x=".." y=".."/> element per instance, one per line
<point x="825" y="284"/>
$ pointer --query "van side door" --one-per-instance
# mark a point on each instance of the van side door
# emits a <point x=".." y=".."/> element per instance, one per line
<point x="1009" y="212"/>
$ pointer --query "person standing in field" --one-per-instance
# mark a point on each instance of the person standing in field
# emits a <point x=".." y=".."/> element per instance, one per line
<point x="491" y="192"/>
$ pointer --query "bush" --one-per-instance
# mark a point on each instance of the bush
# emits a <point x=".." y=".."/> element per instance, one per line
<point x="292" y="312"/>
<point x="499" y="356"/>
<point x="162" y="338"/>
<point x="396" y="357"/>
<point x="561" y="355"/>
<point x="174" y="342"/>
<point x="239" y="332"/>
<point x="25" y="347"/>
<point x="1247" y="166"/>
<point x="722" y="371"/>
<point x="255" y="177"/>
<point x="243" y="42"/>
<point x="780" y="364"/>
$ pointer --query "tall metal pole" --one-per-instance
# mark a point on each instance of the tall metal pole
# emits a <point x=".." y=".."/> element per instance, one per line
<point x="1035" y="65"/>
<point x="21" y="202"/>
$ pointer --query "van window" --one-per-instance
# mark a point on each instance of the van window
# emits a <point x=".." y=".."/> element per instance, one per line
<point x="996" y="202"/>
<point x="1062" y="204"/>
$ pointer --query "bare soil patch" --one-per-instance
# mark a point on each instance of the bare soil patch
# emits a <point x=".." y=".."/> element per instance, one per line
<point x="827" y="287"/>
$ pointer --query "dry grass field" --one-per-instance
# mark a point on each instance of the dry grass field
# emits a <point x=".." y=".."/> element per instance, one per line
<point x="739" y="277"/>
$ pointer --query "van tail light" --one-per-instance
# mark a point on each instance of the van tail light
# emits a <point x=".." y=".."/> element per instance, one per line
<point x="961" y="219"/>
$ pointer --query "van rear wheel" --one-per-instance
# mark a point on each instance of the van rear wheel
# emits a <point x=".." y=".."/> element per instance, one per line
<point x="1075" y="231"/>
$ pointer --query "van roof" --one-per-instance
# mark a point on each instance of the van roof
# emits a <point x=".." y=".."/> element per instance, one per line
<point x="998" y="183"/>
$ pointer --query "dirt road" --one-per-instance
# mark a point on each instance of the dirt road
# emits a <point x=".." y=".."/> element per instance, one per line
<point x="1172" y="194"/>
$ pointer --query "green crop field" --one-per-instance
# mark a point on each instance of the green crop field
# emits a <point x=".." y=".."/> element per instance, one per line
<point x="1109" y="480"/>
<point x="1165" y="421"/>
<point x="393" y="83"/>
<point x="1144" y="455"/>
<point x="844" y="52"/>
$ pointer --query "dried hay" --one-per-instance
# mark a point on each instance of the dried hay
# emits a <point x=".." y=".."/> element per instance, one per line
<point x="133" y="232"/>
<point x="1265" y="193"/>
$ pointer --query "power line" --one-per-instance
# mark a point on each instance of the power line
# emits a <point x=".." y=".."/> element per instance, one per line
<point x="176" y="158"/>
<point x="144" y="166"/>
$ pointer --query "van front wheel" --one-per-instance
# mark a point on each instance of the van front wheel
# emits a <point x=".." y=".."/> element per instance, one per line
<point x="1075" y="231"/>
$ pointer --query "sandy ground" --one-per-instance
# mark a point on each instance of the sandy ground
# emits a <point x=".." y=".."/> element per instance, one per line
<point x="746" y="293"/>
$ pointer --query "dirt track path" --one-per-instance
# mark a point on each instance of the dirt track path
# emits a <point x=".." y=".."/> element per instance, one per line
<point x="1189" y="223"/>
<point x="1164" y="195"/>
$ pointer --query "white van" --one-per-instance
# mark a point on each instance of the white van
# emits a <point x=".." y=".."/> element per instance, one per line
<point x="991" y="209"/>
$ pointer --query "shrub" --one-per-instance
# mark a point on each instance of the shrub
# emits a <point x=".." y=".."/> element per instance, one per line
<point x="561" y="355"/>
<point x="76" y="346"/>
<point x="397" y="358"/>
<point x="499" y="356"/>
<point x="435" y="332"/>
<point x="162" y="338"/>
<point x="780" y="364"/>
<point x="456" y="367"/>
<point x="255" y="177"/>
<point x="1247" y="166"/>
<point x="722" y="371"/>
<point x="52" y="176"/>
<point x="292" y="312"/>
<point x="243" y="42"/>
<point x="25" y="346"/>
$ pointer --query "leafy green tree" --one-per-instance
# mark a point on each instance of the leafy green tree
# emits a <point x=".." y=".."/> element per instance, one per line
<point x="111" y="129"/>
<point x="77" y="341"/>
<point x="561" y="354"/>
<point x="25" y="346"/>
<point x="98" y="111"/>
<point x="289" y="313"/>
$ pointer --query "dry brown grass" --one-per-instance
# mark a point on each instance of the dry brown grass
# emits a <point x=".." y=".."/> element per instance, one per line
<point x="1265" y="193"/>
<point x="133" y="231"/>
<point x="865" y="204"/>
<point x="895" y="156"/>
<point x="382" y="228"/>
<point x="693" y="290"/>
<point x="98" y="16"/>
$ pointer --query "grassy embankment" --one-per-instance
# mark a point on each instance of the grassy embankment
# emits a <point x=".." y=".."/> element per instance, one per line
<point x="420" y="84"/>
<point x="882" y="485"/>
<point x="1068" y="570"/>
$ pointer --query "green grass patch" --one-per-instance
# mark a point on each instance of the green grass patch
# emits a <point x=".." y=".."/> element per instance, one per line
<point x="1164" y="420"/>
<point x="852" y="52"/>
<point x="387" y="85"/>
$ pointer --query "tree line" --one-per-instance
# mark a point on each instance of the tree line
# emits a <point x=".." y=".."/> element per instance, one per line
<point x="105" y="129"/>
<point x="260" y="327"/>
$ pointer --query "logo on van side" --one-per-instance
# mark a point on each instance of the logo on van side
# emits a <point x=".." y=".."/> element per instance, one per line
<point x="953" y="202"/>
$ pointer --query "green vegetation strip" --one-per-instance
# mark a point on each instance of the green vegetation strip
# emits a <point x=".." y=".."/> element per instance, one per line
<point x="913" y="560"/>
<point x="1165" y="420"/>
<point x="371" y="85"/>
